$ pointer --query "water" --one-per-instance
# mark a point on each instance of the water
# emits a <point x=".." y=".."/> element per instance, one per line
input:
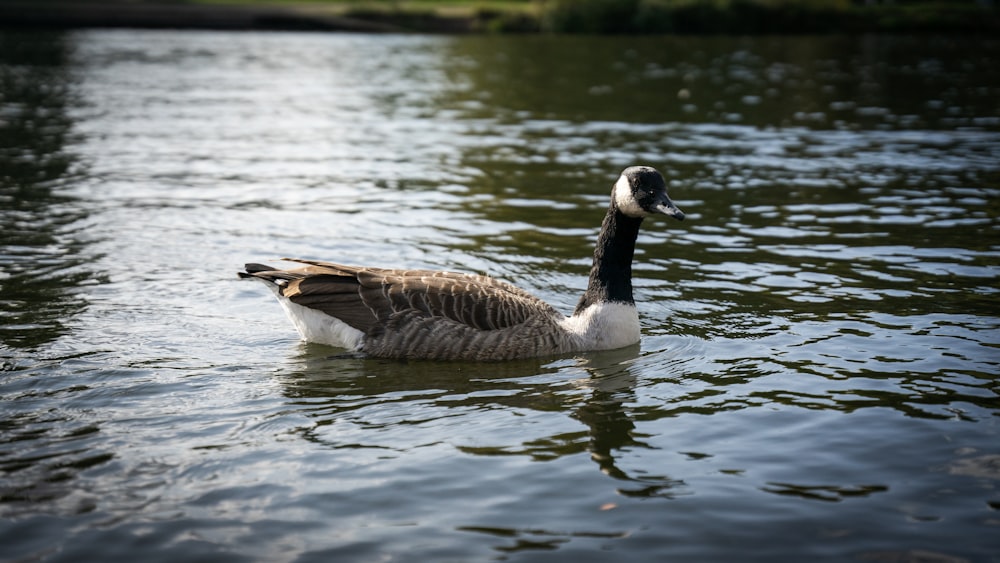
<point x="817" y="379"/>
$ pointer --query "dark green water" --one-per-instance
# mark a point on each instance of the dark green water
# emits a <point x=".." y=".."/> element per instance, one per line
<point x="817" y="379"/>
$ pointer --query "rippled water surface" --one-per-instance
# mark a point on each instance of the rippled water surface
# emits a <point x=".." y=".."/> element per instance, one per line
<point x="818" y="374"/>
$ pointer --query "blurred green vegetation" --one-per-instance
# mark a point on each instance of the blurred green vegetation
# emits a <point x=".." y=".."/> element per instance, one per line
<point x="767" y="16"/>
<point x="678" y="16"/>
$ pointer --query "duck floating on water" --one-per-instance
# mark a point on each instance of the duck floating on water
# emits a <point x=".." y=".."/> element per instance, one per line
<point x="436" y="315"/>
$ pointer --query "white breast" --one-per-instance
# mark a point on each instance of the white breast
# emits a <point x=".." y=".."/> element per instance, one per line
<point x="605" y="326"/>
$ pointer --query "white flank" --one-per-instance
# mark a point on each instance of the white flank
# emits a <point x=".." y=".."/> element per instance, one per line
<point x="626" y="200"/>
<point x="317" y="326"/>
<point x="605" y="326"/>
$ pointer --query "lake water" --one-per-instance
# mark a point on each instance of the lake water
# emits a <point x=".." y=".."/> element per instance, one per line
<point x="818" y="373"/>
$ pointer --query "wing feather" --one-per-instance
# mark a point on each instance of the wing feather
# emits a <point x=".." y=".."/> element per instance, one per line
<point x="367" y="298"/>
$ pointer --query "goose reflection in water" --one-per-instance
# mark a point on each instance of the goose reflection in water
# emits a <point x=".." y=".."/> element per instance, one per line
<point x="345" y="392"/>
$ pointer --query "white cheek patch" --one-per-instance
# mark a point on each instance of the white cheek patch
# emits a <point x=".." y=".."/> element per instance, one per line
<point x="625" y="200"/>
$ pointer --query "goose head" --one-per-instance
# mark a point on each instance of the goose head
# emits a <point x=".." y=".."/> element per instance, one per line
<point x="641" y="191"/>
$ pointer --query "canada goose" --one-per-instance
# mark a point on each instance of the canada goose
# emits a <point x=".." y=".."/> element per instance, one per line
<point x="424" y="314"/>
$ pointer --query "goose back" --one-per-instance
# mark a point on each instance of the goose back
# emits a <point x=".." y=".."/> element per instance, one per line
<point x="424" y="313"/>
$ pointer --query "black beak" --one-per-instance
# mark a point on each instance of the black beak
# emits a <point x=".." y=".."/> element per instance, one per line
<point x="667" y="207"/>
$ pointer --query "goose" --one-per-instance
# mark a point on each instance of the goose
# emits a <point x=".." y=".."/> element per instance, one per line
<point x="438" y="315"/>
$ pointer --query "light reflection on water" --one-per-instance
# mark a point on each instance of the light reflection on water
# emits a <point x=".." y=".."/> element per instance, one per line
<point x="817" y="377"/>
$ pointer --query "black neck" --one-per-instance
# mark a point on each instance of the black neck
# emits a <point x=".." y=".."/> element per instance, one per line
<point x="611" y="274"/>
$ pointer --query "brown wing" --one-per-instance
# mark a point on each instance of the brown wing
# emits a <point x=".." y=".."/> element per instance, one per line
<point x="368" y="297"/>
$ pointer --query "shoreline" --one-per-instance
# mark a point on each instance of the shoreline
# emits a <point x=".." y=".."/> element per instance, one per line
<point x="83" y="15"/>
<point x="747" y="19"/>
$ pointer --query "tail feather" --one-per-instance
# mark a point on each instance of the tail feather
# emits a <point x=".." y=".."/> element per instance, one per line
<point x="269" y="274"/>
<point x="253" y="268"/>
